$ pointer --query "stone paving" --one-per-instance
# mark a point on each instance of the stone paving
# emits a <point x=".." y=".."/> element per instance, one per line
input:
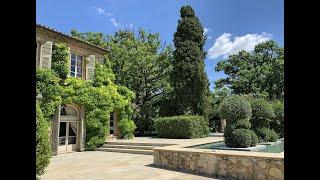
<point x="96" y="165"/>
<point x="177" y="142"/>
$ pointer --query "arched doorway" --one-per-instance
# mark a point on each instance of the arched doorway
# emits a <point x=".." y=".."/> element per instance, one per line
<point x="68" y="129"/>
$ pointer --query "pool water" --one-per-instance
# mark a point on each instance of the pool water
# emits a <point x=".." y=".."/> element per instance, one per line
<point x="276" y="147"/>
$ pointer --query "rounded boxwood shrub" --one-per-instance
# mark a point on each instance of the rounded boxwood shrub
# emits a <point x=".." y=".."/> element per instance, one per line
<point x="267" y="135"/>
<point x="234" y="108"/>
<point x="240" y="138"/>
<point x="127" y="128"/>
<point x="182" y="127"/>
<point x="262" y="113"/>
<point x="43" y="147"/>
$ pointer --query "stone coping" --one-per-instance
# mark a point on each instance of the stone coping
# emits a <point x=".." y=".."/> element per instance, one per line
<point x="223" y="152"/>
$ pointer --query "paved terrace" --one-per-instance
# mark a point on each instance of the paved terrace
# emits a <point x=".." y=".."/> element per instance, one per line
<point x="97" y="165"/>
<point x="170" y="142"/>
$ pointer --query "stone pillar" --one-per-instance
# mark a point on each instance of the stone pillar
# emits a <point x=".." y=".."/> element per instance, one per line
<point x="55" y="125"/>
<point x="223" y="125"/>
<point x="82" y="134"/>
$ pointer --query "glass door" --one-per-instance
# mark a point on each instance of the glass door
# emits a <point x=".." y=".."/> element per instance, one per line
<point x="72" y="136"/>
<point x="68" y="136"/>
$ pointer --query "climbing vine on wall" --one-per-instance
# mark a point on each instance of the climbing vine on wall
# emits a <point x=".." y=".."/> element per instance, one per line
<point x="100" y="96"/>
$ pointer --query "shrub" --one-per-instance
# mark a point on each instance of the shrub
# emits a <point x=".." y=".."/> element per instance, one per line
<point x="127" y="128"/>
<point x="43" y="148"/>
<point x="254" y="139"/>
<point x="243" y="124"/>
<point x="240" y="138"/>
<point x="277" y="123"/>
<point x="262" y="113"/>
<point x="182" y="127"/>
<point x="267" y="135"/>
<point x="234" y="108"/>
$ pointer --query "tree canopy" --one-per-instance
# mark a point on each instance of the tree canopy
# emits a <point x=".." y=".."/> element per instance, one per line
<point x="259" y="73"/>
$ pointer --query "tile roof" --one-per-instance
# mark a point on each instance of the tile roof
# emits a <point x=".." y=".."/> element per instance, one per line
<point x="61" y="33"/>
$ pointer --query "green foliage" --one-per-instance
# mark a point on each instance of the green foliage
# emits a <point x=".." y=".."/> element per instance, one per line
<point x="243" y="123"/>
<point x="188" y="78"/>
<point x="217" y="96"/>
<point x="277" y="123"/>
<point x="241" y="138"/>
<point x="127" y="128"/>
<point x="266" y="135"/>
<point x="60" y="60"/>
<point x="234" y="108"/>
<point x="262" y="113"/>
<point x="237" y="111"/>
<point x="95" y="38"/>
<point x="48" y="85"/>
<point x="99" y="96"/>
<point x="139" y="63"/>
<point x="182" y="127"/>
<point x="43" y="148"/>
<point x="260" y="73"/>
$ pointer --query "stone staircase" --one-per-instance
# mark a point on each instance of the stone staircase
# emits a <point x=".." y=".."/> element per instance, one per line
<point x="130" y="147"/>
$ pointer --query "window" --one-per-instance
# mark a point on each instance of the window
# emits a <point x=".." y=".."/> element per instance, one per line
<point x="76" y="65"/>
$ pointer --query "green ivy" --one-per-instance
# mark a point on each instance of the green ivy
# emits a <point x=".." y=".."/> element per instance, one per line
<point x="100" y="96"/>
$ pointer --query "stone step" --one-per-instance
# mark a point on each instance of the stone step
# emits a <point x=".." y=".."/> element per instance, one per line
<point x="137" y="144"/>
<point x="130" y="151"/>
<point x="128" y="146"/>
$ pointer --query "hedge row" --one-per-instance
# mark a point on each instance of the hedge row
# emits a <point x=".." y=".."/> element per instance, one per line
<point x="180" y="127"/>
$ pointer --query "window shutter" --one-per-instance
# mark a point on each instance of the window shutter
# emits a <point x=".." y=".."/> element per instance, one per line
<point x="90" y="67"/>
<point x="46" y="55"/>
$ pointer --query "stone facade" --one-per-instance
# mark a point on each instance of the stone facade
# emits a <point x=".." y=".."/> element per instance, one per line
<point x="222" y="164"/>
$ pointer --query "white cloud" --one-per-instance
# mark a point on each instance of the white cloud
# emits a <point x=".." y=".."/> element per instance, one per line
<point x="114" y="22"/>
<point x="209" y="37"/>
<point x="206" y="30"/>
<point x="100" y="11"/>
<point x="224" y="46"/>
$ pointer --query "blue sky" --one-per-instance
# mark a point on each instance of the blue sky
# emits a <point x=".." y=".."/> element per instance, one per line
<point x="231" y="25"/>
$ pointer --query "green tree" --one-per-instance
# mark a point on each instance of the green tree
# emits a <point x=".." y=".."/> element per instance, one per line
<point x="259" y="73"/>
<point x="188" y="77"/>
<point x="140" y="63"/>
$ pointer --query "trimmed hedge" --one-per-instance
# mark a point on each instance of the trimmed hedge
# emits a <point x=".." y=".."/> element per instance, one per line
<point x="267" y="135"/>
<point x="181" y="127"/>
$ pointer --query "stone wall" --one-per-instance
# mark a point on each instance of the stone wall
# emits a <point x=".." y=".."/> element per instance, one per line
<point x="222" y="165"/>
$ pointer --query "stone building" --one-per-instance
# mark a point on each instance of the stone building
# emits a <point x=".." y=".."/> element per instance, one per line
<point x="67" y="125"/>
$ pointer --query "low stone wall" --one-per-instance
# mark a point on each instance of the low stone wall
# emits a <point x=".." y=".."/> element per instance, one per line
<point x="238" y="165"/>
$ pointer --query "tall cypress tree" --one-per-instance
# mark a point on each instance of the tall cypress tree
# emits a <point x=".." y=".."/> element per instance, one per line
<point x="188" y="78"/>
